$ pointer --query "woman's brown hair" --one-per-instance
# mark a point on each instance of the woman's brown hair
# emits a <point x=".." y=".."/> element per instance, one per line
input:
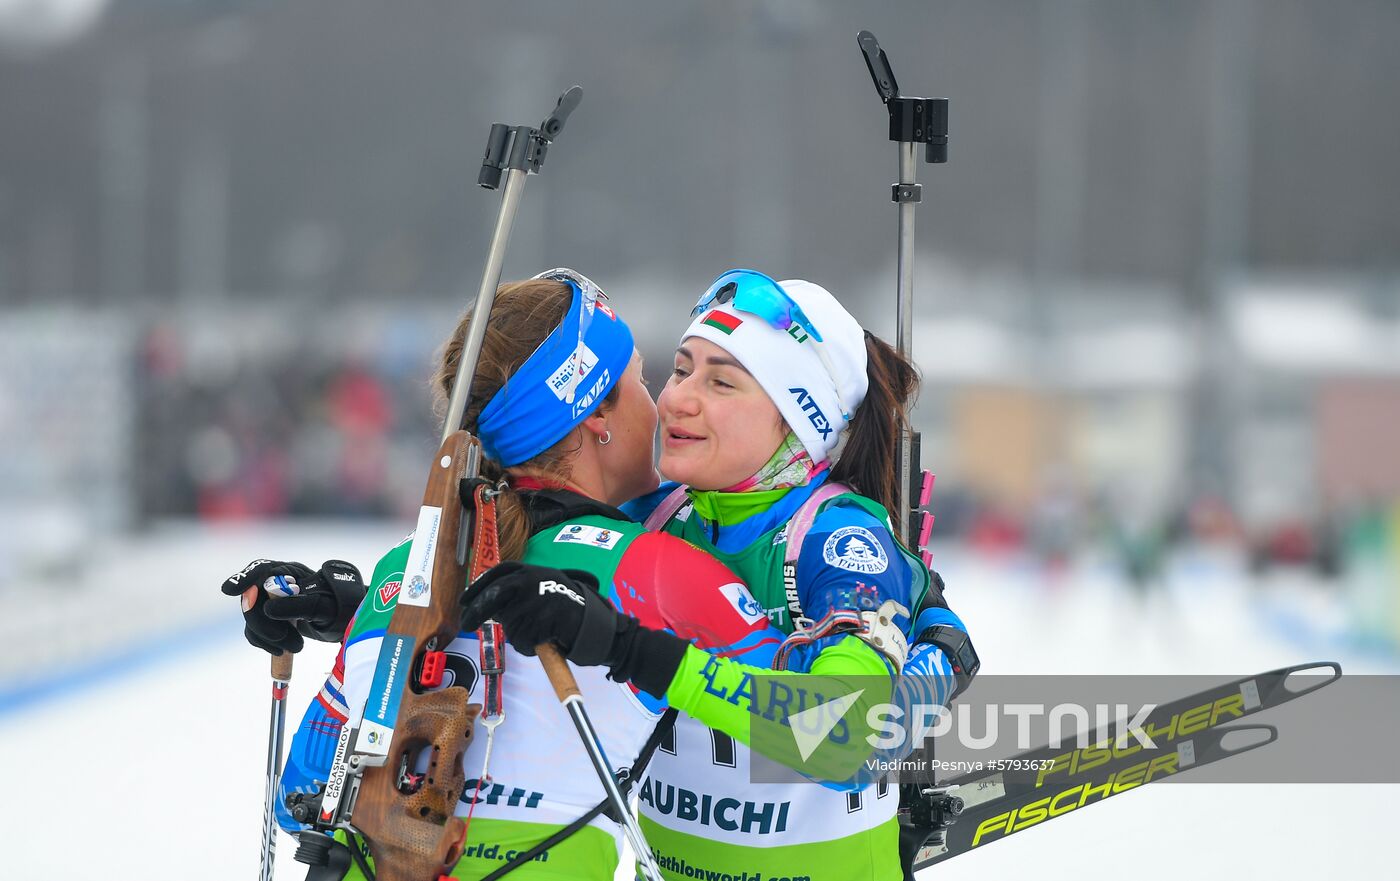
<point x="523" y="316"/>
<point x="869" y="462"/>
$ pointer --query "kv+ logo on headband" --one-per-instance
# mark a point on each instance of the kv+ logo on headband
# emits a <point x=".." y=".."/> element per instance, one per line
<point x="544" y="400"/>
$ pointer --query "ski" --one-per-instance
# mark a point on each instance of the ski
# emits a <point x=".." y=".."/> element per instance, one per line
<point x="1026" y="808"/>
<point x="1003" y="783"/>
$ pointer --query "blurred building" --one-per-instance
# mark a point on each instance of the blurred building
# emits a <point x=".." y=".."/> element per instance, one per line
<point x="1157" y="280"/>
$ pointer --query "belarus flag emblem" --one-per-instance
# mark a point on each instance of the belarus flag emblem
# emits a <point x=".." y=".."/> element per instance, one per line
<point x="722" y="321"/>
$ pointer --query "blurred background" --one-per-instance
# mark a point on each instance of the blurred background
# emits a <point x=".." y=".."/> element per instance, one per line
<point x="1157" y="313"/>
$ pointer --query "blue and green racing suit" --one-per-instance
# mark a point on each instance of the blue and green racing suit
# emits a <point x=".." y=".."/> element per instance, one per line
<point x="705" y="809"/>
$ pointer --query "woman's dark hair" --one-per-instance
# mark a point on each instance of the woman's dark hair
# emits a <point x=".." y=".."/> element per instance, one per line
<point x="869" y="461"/>
<point x="522" y="317"/>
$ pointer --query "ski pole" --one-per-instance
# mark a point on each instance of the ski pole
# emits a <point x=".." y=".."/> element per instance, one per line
<point x="566" y="689"/>
<point x="281" y="678"/>
<point x="279" y="586"/>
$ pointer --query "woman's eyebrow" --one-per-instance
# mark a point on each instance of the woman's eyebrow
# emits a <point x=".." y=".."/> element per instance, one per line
<point x="713" y="360"/>
<point x="724" y="361"/>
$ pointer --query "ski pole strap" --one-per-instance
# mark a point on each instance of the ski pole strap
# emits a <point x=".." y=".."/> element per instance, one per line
<point x="624" y="783"/>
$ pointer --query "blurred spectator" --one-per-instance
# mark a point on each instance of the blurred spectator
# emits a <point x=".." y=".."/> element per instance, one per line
<point x="268" y="430"/>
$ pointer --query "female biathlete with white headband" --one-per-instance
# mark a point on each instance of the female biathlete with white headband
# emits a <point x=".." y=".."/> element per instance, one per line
<point x="767" y="379"/>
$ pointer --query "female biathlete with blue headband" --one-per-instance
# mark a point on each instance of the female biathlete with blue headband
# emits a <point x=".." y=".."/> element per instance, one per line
<point x="767" y="379"/>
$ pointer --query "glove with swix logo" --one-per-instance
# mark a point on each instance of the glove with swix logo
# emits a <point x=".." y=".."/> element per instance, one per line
<point x="284" y="601"/>
<point x="538" y="604"/>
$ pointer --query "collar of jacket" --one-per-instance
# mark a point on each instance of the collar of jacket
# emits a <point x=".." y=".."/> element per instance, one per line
<point x="736" y="520"/>
<point x="550" y="507"/>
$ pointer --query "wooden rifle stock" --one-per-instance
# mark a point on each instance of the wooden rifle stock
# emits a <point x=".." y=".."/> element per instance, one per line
<point x="413" y="831"/>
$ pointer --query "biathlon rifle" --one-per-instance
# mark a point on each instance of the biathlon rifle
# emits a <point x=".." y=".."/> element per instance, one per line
<point x="913" y="121"/>
<point x="407" y="817"/>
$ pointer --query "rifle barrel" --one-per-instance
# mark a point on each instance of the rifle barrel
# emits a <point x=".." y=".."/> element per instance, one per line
<point x="485" y="297"/>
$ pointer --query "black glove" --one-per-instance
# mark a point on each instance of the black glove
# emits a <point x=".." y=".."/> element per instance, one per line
<point x="321" y="610"/>
<point x="537" y="604"/>
<point x="934" y="597"/>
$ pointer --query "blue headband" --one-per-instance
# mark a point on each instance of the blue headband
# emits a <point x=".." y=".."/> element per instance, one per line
<point x="562" y="381"/>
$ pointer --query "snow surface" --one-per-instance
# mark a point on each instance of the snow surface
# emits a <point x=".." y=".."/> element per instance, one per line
<point x="155" y="769"/>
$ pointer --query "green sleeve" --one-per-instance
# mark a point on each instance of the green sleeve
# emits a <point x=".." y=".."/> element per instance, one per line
<point x="384" y="584"/>
<point x="753" y="704"/>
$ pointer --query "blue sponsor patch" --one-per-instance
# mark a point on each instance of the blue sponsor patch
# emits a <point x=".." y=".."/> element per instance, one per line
<point x="390" y="675"/>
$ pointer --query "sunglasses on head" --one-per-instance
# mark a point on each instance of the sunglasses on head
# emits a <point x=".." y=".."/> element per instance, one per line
<point x="750" y="291"/>
<point x="755" y="293"/>
<point x="590" y="288"/>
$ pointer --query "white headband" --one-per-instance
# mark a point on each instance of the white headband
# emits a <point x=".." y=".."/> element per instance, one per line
<point x="785" y="362"/>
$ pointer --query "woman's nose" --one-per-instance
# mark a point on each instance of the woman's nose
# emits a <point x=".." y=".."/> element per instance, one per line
<point x="679" y="397"/>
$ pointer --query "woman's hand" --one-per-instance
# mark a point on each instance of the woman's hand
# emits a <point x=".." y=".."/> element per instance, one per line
<point x="538" y="605"/>
<point x="317" y="604"/>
